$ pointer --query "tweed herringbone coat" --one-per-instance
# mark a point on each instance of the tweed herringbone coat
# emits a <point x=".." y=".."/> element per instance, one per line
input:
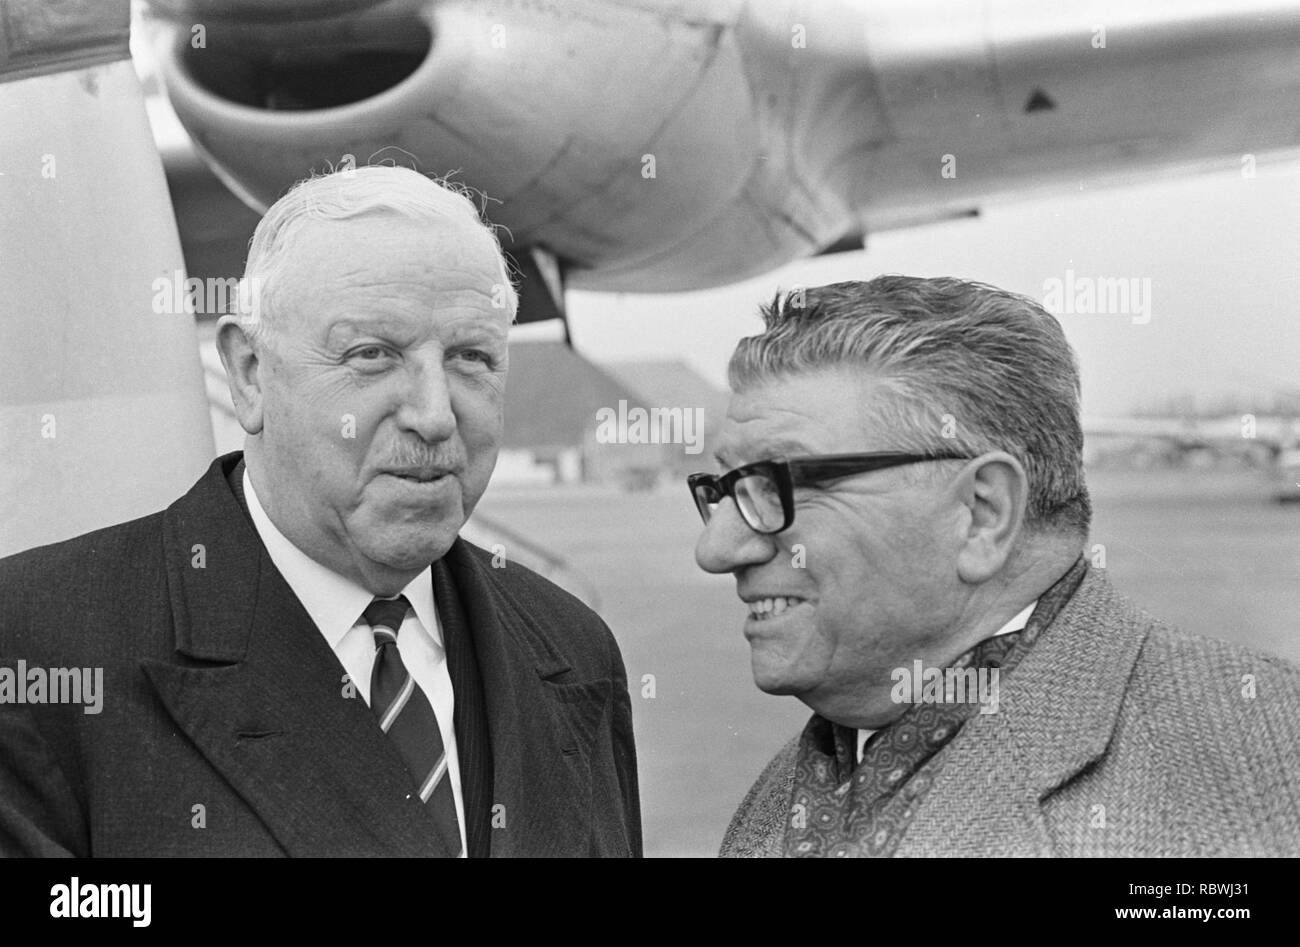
<point x="1116" y="736"/>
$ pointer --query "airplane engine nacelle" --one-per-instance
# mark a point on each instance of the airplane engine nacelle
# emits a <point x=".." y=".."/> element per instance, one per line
<point x="628" y="140"/>
<point x="656" y="145"/>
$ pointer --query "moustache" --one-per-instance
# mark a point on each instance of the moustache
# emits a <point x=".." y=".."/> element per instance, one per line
<point x="432" y="460"/>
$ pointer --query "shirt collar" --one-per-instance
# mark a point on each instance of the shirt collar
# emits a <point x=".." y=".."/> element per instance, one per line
<point x="334" y="602"/>
<point x="1020" y="620"/>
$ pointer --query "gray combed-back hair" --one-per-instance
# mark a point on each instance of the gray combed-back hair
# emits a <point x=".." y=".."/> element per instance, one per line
<point x="996" y="362"/>
<point x="344" y="195"/>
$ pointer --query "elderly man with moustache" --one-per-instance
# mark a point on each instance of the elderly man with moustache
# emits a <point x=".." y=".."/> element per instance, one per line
<point x="301" y="656"/>
<point x="905" y="493"/>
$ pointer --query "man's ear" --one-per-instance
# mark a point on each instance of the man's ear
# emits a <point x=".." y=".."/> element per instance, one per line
<point x="995" y="490"/>
<point x="242" y="371"/>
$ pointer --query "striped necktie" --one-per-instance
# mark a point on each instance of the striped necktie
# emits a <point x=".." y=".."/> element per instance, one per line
<point x="406" y="715"/>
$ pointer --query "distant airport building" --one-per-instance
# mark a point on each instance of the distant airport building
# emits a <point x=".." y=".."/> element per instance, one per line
<point x="569" y="420"/>
<point x="674" y="384"/>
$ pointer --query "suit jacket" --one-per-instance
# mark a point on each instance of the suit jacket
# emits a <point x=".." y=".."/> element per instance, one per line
<point x="227" y="727"/>
<point x="1116" y="736"/>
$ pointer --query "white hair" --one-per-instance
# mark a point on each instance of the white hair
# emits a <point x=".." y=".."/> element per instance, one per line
<point x="343" y="195"/>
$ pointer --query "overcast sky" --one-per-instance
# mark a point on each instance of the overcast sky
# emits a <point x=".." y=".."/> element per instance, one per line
<point x="1221" y="251"/>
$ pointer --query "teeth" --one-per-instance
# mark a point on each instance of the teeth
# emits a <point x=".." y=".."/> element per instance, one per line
<point x="764" y="608"/>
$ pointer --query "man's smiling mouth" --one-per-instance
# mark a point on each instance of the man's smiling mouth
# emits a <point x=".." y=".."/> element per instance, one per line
<point x="761" y="609"/>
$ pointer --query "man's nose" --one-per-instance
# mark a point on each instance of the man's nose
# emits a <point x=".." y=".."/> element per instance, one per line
<point x="727" y="543"/>
<point x="426" y="407"/>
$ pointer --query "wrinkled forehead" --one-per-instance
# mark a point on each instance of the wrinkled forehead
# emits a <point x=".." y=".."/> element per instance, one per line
<point x="394" y="265"/>
<point x="381" y="241"/>
<point x="823" y="412"/>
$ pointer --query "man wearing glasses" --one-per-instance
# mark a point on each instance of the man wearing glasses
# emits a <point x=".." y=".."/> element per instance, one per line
<point x="905" y="514"/>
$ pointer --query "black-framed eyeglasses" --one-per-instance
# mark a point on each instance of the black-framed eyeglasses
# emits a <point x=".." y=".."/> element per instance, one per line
<point x="764" y="491"/>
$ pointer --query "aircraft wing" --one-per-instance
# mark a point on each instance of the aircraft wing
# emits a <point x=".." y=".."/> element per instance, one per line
<point x="654" y="145"/>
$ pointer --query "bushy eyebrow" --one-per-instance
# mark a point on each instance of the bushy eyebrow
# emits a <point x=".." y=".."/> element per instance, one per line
<point x="345" y="327"/>
<point x="458" y="335"/>
<point x="767" y="450"/>
<point x="783" y="448"/>
<point x="461" y="335"/>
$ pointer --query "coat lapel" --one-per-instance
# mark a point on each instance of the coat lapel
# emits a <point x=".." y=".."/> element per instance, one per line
<point x="541" y="726"/>
<point x="262" y="696"/>
<point x="1057" y="713"/>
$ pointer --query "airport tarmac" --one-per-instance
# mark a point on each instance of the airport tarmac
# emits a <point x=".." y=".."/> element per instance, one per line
<point x="1205" y="550"/>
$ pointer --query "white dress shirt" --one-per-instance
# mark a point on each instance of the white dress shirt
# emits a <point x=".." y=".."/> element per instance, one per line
<point x="1020" y="621"/>
<point x="336" y="603"/>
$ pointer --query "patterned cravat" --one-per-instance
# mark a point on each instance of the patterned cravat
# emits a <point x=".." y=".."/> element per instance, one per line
<point x="843" y="808"/>
<point x="406" y="715"/>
